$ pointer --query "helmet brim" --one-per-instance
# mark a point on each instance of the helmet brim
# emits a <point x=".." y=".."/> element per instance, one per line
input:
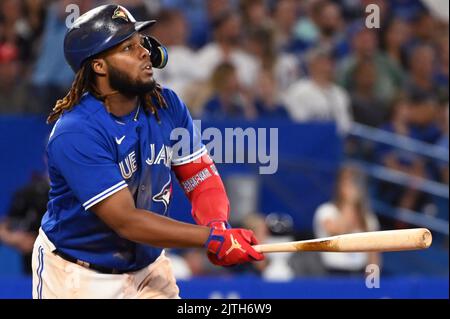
<point x="143" y="25"/>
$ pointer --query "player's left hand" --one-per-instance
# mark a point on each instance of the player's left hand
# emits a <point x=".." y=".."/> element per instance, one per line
<point x="228" y="247"/>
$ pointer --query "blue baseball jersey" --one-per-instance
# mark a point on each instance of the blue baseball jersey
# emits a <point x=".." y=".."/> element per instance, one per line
<point x="93" y="154"/>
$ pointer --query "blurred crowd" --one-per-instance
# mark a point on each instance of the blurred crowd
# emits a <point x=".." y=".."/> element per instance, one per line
<point x="303" y="60"/>
<point x="298" y="60"/>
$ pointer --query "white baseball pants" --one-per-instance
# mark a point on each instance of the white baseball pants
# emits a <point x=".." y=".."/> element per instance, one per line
<point x="54" y="277"/>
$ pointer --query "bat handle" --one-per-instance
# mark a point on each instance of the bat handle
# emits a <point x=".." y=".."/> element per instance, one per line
<point x="276" y="247"/>
<point x="257" y="248"/>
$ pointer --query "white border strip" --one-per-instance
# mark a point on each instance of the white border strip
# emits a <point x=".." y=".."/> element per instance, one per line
<point x="190" y="158"/>
<point x="94" y="200"/>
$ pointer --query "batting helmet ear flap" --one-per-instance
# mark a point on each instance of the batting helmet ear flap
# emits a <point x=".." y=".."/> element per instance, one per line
<point x="159" y="55"/>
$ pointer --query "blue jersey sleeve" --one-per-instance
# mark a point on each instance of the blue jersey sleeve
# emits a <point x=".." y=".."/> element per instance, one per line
<point x="87" y="166"/>
<point x="185" y="136"/>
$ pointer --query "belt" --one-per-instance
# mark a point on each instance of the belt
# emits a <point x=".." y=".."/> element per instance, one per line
<point x="101" y="269"/>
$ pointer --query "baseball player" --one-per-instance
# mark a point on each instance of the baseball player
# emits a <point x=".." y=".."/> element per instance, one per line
<point x="110" y="159"/>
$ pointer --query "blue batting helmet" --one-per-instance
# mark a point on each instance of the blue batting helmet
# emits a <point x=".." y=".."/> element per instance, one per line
<point x="99" y="30"/>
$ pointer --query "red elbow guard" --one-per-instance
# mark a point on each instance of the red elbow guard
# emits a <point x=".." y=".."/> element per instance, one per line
<point x="203" y="186"/>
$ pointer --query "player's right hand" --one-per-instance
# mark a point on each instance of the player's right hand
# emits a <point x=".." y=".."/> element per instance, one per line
<point x="228" y="247"/>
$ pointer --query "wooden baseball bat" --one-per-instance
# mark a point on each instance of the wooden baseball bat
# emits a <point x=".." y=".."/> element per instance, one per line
<point x="388" y="240"/>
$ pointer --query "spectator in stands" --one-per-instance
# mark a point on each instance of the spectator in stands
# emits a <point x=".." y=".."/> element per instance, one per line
<point x="406" y="9"/>
<point x="14" y="92"/>
<point x="327" y="17"/>
<point x="200" y="15"/>
<point x="284" y="66"/>
<point x="421" y="79"/>
<point x="351" y="10"/>
<point x="285" y="14"/>
<point x="441" y="72"/>
<point x="20" y="227"/>
<point x="305" y="28"/>
<point x="318" y="98"/>
<point x="52" y="75"/>
<point x="425" y="127"/>
<point x="267" y="100"/>
<point x="404" y="113"/>
<point x="35" y="12"/>
<point x="172" y="30"/>
<point x="390" y="77"/>
<point x="424" y="27"/>
<point x="19" y="31"/>
<point x="255" y="15"/>
<point x="423" y="118"/>
<point x="367" y="108"/>
<point x="227" y="99"/>
<point x="395" y="40"/>
<point x="15" y="30"/>
<point x="227" y="47"/>
<point x="21" y="25"/>
<point x="346" y="213"/>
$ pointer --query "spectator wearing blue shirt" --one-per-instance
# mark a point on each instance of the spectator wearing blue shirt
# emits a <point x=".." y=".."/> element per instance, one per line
<point x="404" y="121"/>
<point x="52" y="76"/>
<point x="422" y="64"/>
<point x="267" y="102"/>
<point x="227" y="99"/>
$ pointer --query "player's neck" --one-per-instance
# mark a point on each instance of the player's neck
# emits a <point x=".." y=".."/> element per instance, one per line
<point x="120" y="105"/>
<point x="117" y="103"/>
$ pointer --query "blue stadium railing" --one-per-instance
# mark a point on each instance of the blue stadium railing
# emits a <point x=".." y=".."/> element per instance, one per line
<point x="399" y="141"/>
<point x="377" y="172"/>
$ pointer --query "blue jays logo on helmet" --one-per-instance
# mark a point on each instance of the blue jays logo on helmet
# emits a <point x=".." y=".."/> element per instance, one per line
<point x="120" y="13"/>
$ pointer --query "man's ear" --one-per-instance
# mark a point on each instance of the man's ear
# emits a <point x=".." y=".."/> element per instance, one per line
<point x="99" y="66"/>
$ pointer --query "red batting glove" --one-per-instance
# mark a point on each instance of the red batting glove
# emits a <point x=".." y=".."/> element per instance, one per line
<point x="228" y="247"/>
<point x="219" y="224"/>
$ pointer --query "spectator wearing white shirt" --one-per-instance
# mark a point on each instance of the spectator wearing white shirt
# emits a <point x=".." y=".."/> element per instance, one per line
<point x="318" y="98"/>
<point x="346" y="213"/>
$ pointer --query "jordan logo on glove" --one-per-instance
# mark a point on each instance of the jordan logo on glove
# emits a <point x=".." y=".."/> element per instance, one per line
<point x="228" y="247"/>
<point x="234" y="245"/>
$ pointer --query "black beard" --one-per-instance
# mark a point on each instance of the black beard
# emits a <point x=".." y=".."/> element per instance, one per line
<point x="127" y="86"/>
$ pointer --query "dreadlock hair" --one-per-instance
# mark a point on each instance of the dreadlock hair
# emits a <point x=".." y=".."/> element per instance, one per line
<point x="85" y="82"/>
